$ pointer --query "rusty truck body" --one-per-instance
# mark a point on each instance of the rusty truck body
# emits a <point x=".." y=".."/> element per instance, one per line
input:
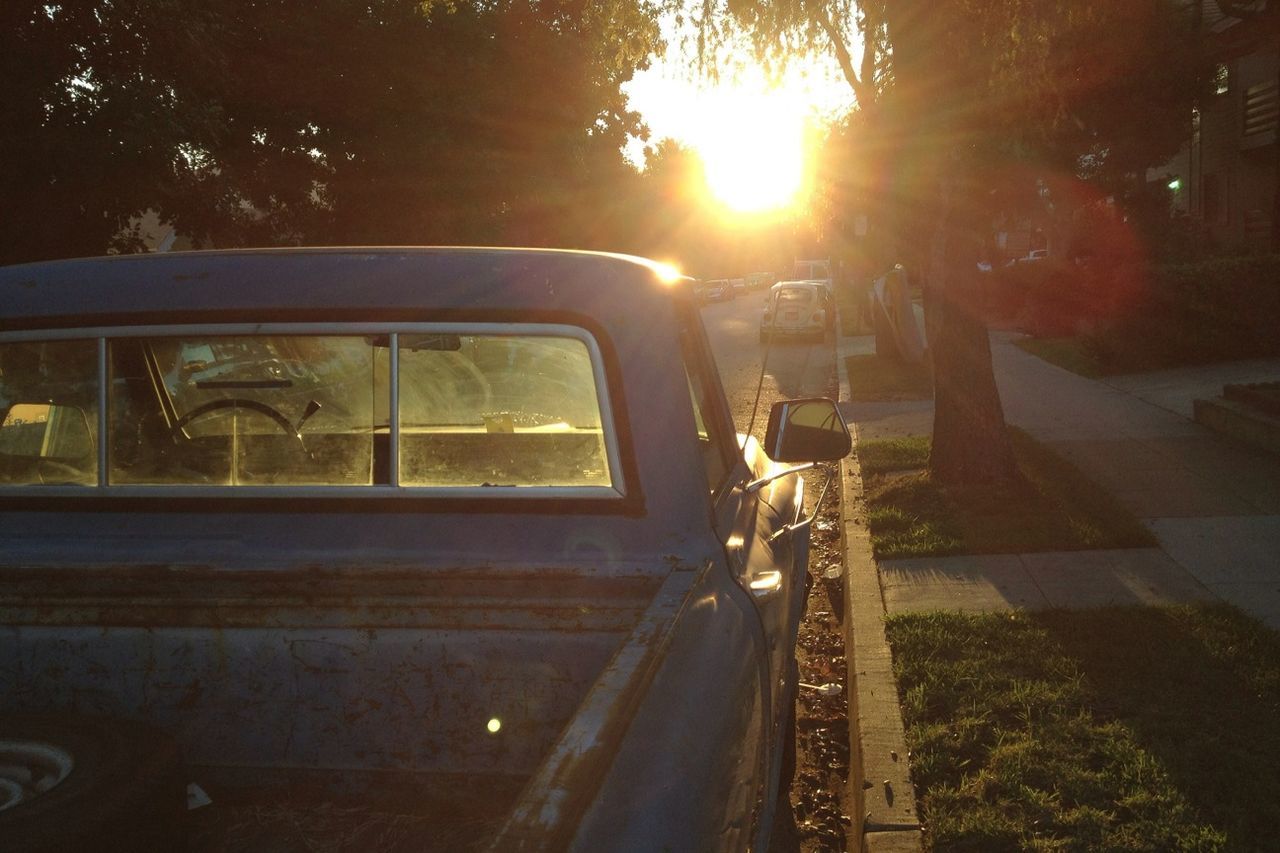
<point x="466" y="530"/>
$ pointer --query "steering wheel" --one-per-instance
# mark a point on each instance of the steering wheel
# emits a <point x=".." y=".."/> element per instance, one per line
<point x="237" y="403"/>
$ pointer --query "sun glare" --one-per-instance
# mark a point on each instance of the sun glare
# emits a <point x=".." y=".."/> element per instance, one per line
<point x="758" y="169"/>
<point x="751" y="133"/>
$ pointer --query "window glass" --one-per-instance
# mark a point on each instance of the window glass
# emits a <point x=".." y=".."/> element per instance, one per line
<point x="713" y="458"/>
<point x="204" y="409"/>
<point x="795" y="294"/>
<point x="246" y="410"/>
<point x="499" y="410"/>
<point x="712" y="438"/>
<point x="48" y="413"/>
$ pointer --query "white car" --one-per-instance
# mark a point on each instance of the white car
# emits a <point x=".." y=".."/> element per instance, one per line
<point x="797" y="309"/>
<point x="717" y="290"/>
<point x="1033" y="257"/>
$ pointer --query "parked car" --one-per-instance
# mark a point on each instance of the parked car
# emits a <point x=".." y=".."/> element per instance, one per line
<point x="738" y="285"/>
<point x="757" y="280"/>
<point x="1032" y="257"/>
<point x="440" y="532"/>
<point x="815" y="269"/>
<point x="718" y="290"/>
<point x="797" y="309"/>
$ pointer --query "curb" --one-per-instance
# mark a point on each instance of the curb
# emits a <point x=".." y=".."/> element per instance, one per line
<point x="881" y="797"/>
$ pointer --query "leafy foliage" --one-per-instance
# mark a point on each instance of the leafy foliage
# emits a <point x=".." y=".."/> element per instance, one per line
<point x="93" y="117"/>
<point x="321" y="121"/>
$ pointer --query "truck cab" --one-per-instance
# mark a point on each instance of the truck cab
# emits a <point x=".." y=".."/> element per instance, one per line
<point x="442" y="532"/>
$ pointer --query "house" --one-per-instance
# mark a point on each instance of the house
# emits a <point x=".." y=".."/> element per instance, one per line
<point x="1227" y="177"/>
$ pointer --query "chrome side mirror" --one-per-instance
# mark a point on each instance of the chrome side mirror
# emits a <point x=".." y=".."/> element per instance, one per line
<point x="806" y="430"/>
<point x="46" y="443"/>
<point x="46" y="431"/>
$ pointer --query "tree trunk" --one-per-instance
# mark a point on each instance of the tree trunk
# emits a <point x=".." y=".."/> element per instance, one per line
<point x="937" y="195"/>
<point x="970" y="440"/>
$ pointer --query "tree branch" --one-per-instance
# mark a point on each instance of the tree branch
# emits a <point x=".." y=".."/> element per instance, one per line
<point x="1243" y="9"/>
<point x="863" y="89"/>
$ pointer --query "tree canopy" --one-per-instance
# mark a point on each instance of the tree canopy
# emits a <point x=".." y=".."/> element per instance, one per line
<point x="324" y="121"/>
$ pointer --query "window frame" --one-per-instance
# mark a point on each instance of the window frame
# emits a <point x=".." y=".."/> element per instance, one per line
<point x="698" y="362"/>
<point x="618" y="490"/>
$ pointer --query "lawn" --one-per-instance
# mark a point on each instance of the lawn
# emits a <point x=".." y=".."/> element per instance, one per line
<point x="876" y="379"/>
<point x="1052" y="507"/>
<point x="1112" y="729"/>
<point x="1073" y="354"/>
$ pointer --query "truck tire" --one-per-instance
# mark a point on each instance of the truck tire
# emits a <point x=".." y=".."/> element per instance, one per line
<point x="93" y="784"/>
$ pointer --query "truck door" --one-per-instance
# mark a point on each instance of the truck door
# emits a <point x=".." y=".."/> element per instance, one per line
<point x="754" y="528"/>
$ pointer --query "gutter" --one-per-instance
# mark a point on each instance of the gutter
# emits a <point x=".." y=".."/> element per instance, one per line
<point x="880" y="794"/>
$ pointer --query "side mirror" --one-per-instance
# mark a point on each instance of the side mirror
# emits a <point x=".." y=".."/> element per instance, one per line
<point x="47" y="431"/>
<point x="808" y="430"/>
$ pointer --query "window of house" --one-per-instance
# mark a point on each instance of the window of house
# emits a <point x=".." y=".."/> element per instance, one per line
<point x="1221" y="79"/>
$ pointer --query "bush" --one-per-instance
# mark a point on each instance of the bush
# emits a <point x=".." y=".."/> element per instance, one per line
<point x="1191" y="313"/>
<point x="1046" y="298"/>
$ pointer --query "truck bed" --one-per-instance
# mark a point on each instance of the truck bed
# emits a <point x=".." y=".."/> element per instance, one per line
<point x="320" y="706"/>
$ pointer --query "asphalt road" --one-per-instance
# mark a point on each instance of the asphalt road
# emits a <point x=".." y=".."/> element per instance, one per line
<point x="794" y="369"/>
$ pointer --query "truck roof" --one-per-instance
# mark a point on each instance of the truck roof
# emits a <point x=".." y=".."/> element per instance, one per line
<point x="602" y="293"/>
<point x="328" y="283"/>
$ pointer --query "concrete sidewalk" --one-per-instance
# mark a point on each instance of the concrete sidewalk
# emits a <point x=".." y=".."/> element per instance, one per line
<point x="1213" y="505"/>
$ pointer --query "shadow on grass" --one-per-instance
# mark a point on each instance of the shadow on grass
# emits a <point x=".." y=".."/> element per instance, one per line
<point x="873" y="378"/>
<point x="1052" y="506"/>
<point x="1113" y="729"/>
<point x="1074" y="354"/>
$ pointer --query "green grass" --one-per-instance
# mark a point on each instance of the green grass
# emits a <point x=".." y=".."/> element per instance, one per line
<point x="876" y="379"/>
<point x="894" y="454"/>
<point x="1112" y="729"/>
<point x="1073" y="354"/>
<point x="1053" y="507"/>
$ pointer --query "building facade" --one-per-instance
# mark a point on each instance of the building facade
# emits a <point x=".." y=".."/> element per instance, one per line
<point x="1227" y="176"/>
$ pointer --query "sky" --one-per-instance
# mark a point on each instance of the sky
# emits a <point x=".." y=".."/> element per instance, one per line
<point x="676" y="103"/>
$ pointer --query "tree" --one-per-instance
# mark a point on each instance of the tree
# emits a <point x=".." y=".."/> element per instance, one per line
<point x="957" y="91"/>
<point x="385" y="123"/>
<point x="92" y="119"/>
<point x="270" y="122"/>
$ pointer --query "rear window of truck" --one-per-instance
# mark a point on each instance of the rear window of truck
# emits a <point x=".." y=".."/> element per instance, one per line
<point x="491" y="409"/>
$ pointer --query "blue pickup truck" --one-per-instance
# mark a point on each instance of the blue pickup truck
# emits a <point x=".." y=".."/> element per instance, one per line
<point x="464" y="536"/>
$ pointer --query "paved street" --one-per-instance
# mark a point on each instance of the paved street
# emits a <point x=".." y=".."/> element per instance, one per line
<point x="794" y="369"/>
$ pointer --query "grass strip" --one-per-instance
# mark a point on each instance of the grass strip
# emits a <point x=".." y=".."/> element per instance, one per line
<point x="1110" y="729"/>
<point x="1051" y="507"/>
<point x="873" y="378"/>
<point x="1073" y="354"/>
<point x="893" y="454"/>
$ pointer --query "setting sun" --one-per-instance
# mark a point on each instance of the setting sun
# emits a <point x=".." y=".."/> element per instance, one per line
<point x="755" y="163"/>
<point x="751" y="133"/>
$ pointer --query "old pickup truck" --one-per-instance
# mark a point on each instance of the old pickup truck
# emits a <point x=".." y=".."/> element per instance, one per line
<point x="465" y="536"/>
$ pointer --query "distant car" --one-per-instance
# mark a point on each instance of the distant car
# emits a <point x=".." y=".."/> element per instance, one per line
<point x="1032" y="257"/>
<point x="717" y="290"/>
<point x="757" y="280"/>
<point x="797" y="309"/>
<point x="825" y="283"/>
<point x="739" y="286"/>
<point x="806" y="270"/>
